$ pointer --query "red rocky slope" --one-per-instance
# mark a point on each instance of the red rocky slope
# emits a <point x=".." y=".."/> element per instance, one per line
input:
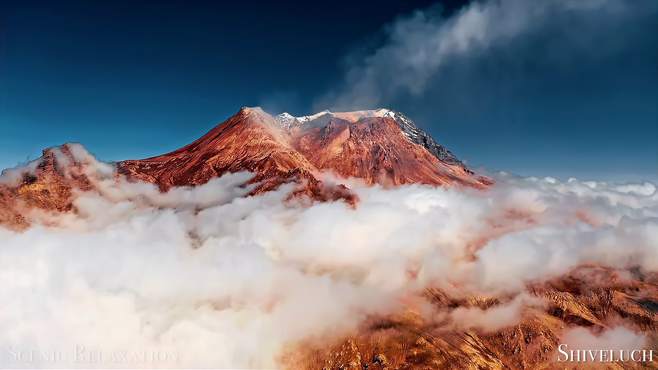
<point x="369" y="146"/>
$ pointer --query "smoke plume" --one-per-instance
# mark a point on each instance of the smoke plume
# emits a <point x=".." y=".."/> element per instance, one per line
<point x="420" y="47"/>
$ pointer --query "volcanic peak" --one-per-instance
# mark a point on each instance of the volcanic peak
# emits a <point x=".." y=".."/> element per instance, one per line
<point x="408" y="127"/>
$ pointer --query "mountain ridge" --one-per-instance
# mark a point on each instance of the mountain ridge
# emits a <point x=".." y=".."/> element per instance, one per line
<point x="370" y="145"/>
<point x="242" y="140"/>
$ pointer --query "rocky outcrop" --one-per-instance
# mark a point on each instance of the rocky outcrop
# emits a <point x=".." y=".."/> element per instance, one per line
<point x="46" y="184"/>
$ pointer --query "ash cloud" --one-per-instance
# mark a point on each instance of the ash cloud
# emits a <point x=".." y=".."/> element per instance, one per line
<point x="422" y="49"/>
<point x="205" y="276"/>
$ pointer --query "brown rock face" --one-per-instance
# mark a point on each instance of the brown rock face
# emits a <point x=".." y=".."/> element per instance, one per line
<point x="248" y="141"/>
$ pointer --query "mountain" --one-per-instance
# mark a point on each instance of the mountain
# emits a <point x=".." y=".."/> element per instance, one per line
<point x="377" y="146"/>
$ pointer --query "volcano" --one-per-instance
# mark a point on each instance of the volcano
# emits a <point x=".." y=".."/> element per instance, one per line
<point x="374" y="146"/>
<point x="318" y="157"/>
<point x="377" y="146"/>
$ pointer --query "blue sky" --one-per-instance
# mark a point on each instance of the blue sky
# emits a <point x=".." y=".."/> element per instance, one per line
<point x="565" y="91"/>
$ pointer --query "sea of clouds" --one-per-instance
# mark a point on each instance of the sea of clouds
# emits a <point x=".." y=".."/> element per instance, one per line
<point x="208" y="276"/>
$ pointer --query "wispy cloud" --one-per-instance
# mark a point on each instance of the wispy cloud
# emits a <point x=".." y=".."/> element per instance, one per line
<point x="420" y="46"/>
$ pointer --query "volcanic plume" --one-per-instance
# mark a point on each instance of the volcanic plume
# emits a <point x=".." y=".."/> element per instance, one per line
<point x="349" y="240"/>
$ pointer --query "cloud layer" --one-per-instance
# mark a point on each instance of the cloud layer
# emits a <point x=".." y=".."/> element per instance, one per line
<point x="204" y="276"/>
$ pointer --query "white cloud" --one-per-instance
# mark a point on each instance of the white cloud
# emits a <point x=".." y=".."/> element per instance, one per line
<point x="496" y="317"/>
<point x="418" y="47"/>
<point x="207" y="277"/>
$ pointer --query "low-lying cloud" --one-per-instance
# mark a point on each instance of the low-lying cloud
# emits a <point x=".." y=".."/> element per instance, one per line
<point x="617" y="338"/>
<point x="207" y="276"/>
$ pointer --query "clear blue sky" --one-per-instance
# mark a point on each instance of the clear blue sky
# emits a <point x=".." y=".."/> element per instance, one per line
<point x="571" y="97"/>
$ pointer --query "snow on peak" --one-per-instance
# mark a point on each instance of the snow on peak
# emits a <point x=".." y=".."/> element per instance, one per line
<point x="286" y="115"/>
<point x="407" y="126"/>
<point x="288" y="120"/>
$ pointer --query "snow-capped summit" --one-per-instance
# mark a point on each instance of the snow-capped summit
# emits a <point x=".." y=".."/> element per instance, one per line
<point x="286" y="118"/>
<point x="377" y="146"/>
<point x="408" y="127"/>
